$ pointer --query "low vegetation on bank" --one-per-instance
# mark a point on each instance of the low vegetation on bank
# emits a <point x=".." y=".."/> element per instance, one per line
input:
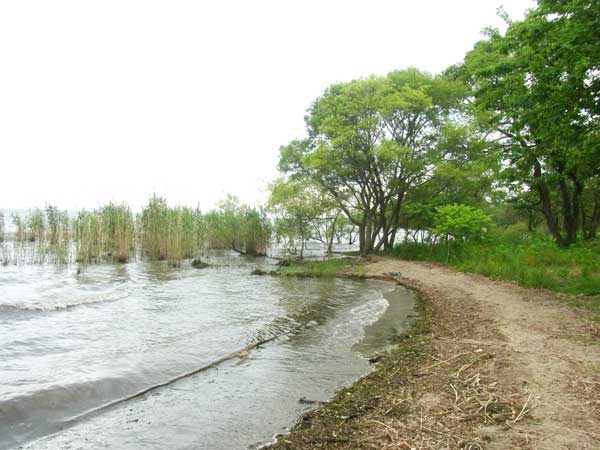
<point x="531" y="259"/>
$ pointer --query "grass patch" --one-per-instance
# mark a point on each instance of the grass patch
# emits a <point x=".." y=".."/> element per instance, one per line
<point x="530" y="259"/>
<point x="325" y="269"/>
<point x="591" y="304"/>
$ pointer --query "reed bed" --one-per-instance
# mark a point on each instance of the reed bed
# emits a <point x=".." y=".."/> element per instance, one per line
<point x="112" y="233"/>
<point x="40" y="236"/>
<point x="19" y="225"/>
<point x="105" y="234"/>
<point x="169" y="233"/>
<point x="238" y="227"/>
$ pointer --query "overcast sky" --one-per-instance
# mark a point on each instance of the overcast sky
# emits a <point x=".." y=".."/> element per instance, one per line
<point x="114" y="100"/>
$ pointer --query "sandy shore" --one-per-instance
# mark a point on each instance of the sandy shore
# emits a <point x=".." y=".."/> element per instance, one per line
<point x="489" y="365"/>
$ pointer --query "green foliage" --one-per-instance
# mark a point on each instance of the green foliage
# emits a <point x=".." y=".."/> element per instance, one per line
<point x="40" y="236"/>
<point x="256" y="231"/>
<point x="237" y="227"/>
<point x="59" y="234"/>
<point x="537" y="88"/>
<point x="159" y="232"/>
<point x="370" y="143"/>
<point x="461" y="222"/>
<point x="88" y="237"/>
<point x="301" y="212"/>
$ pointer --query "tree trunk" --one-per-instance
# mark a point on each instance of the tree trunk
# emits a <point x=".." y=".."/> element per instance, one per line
<point x="331" y="235"/>
<point x="361" y="239"/>
<point x="393" y="237"/>
<point x="570" y="208"/>
<point x="546" y="204"/>
<point x="595" y="218"/>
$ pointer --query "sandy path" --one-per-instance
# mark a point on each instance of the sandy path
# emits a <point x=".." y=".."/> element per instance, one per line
<point x="543" y="348"/>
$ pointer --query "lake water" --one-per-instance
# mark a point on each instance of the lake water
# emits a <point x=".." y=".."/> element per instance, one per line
<point x="72" y="342"/>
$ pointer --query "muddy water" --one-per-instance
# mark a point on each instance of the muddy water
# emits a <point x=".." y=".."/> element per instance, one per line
<point x="70" y="343"/>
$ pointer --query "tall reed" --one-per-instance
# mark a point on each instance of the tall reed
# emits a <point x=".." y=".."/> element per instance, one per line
<point x="119" y="231"/>
<point x="36" y="226"/>
<point x="159" y="232"/>
<point x="88" y="237"/>
<point x="2" y="226"/>
<point x="167" y="233"/>
<point x="107" y="233"/>
<point x="19" y="224"/>
<point x="58" y="235"/>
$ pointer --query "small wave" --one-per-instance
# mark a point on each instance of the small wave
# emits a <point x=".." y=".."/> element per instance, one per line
<point x="41" y="412"/>
<point x="360" y="317"/>
<point x="58" y="305"/>
<point x="57" y="407"/>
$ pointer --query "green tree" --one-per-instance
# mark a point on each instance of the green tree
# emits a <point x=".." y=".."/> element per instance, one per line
<point x="460" y="222"/>
<point x="302" y="211"/>
<point x="238" y="227"/>
<point x="370" y="143"/>
<point x="537" y="87"/>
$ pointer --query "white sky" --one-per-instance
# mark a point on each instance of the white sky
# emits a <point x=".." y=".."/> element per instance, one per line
<point x="114" y="100"/>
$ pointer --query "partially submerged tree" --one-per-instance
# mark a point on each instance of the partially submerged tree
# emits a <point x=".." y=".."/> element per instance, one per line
<point x="302" y="212"/>
<point x="237" y="227"/>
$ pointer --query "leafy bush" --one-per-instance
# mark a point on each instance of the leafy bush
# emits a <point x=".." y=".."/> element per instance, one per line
<point x="460" y="222"/>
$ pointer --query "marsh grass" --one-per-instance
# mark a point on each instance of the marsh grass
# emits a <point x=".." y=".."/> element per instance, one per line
<point x="119" y="231"/>
<point x="19" y="224"/>
<point x="59" y="234"/>
<point x="112" y="233"/>
<point x="40" y="236"/>
<point x="2" y="226"/>
<point x="256" y="234"/>
<point x="36" y="226"/>
<point x="106" y="234"/>
<point x="169" y="233"/>
<point x="88" y="237"/>
<point x="237" y="227"/>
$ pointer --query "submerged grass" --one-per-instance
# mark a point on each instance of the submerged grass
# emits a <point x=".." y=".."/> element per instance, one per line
<point x="40" y="236"/>
<point x="326" y="268"/>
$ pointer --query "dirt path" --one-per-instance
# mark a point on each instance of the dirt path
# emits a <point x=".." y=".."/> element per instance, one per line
<point x="539" y="349"/>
